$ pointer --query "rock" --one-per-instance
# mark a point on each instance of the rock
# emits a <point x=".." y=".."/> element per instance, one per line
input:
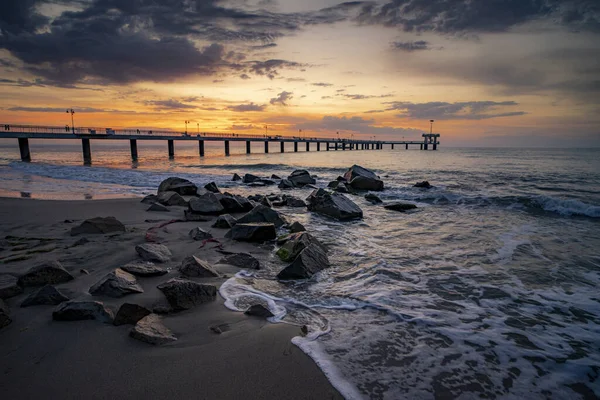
<point x="257" y="184"/>
<point x="49" y="273"/>
<point x="423" y="184"/>
<point x="4" y="315"/>
<point x="266" y="202"/>
<point x="157" y="207"/>
<point x="82" y="310"/>
<point x="179" y="185"/>
<point x="267" y="182"/>
<point x="195" y="267"/>
<point x="296" y="227"/>
<point x="199" y="234"/>
<point x="402" y="207"/>
<point x="333" y="205"/>
<point x="261" y="213"/>
<point x="184" y="294"/>
<point x="292" y="201"/>
<point x="144" y="269"/>
<point x="224" y="221"/>
<point x="373" y="198"/>
<point x="249" y="178"/>
<point x="257" y="197"/>
<point x="252" y="232"/>
<point x="363" y="179"/>
<point x="333" y="184"/>
<point x="342" y="188"/>
<point x="240" y="260"/>
<point x="279" y="203"/>
<point x="310" y="261"/>
<point x="98" y="225"/>
<point x="231" y="204"/>
<point x="151" y="198"/>
<point x="286" y="184"/>
<point x="150" y="329"/>
<point x="117" y="283"/>
<point x="341" y="179"/>
<point x="47" y="295"/>
<point x="84" y="271"/>
<point x="154" y="252"/>
<point x="190" y="216"/>
<point x="171" y="199"/>
<point x="212" y="187"/>
<point x="207" y="204"/>
<point x="301" y="177"/>
<point x="295" y="243"/>
<point x="130" y="314"/>
<point x="80" y="242"/>
<point x="9" y="286"/>
<point x="236" y="177"/>
<point x="258" y="310"/>
<point x="273" y="176"/>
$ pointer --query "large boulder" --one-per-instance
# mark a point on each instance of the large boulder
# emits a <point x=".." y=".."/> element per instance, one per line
<point x="130" y="314"/>
<point x="295" y="243"/>
<point x="150" y="199"/>
<point x="292" y="201"/>
<point x="224" y="221"/>
<point x="98" y="225"/>
<point x="296" y="227"/>
<point x="240" y="260"/>
<point x="49" y="273"/>
<point x="158" y="207"/>
<point x="258" y="310"/>
<point x="373" y="198"/>
<point x="200" y="234"/>
<point x="363" y="179"/>
<point x="249" y="178"/>
<point x="262" y="213"/>
<point x="184" y="294"/>
<point x="171" y="199"/>
<point x="4" y="315"/>
<point x="236" y="177"/>
<point x="398" y="206"/>
<point x="286" y="184"/>
<point x="252" y="232"/>
<point x="150" y="329"/>
<point x="154" y="252"/>
<point x="117" y="283"/>
<point x="424" y="184"/>
<point x="144" y="269"/>
<point x="179" y="185"/>
<point x="311" y="260"/>
<point x="197" y="268"/>
<point x="82" y="310"/>
<point x="301" y="177"/>
<point x="334" y="205"/>
<point x="212" y="187"/>
<point x="233" y="204"/>
<point x="9" y="286"/>
<point x="47" y="296"/>
<point x="207" y="204"/>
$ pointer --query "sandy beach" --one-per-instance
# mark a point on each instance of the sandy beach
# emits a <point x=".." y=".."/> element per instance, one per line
<point x="43" y="358"/>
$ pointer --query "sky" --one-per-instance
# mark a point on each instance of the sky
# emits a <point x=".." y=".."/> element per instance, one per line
<point x="488" y="72"/>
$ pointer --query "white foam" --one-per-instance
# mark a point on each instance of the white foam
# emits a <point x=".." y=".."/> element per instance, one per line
<point x="568" y="207"/>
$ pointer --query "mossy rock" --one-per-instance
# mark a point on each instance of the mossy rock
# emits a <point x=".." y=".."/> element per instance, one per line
<point x="283" y="254"/>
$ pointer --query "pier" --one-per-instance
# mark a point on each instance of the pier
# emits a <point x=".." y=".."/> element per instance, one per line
<point x="25" y="132"/>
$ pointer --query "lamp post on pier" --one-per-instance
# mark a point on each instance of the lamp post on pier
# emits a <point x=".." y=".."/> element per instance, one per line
<point x="198" y="126"/>
<point x="431" y="121"/>
<point x="71" y="111"/>
<point x="186" y="124"/>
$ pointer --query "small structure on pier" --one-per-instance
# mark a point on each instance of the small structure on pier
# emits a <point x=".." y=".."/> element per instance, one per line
<point x="430" y="139"/>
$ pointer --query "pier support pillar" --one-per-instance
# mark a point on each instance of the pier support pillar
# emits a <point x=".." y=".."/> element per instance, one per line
<point x="295" y="147"/>
<point x="226" y="147"/>
<point x="336" y="146"/>
<point x="247" y="147"/>
<point x="307" y="146"/>
<point x="344" y="146"/>
<point x="87" y="151"/>
<point x="133" y="147"/>
<point x="201" y="147"/>
<point x="282" y="147"/>
<point x="435" y="146"/>
<point x="318" y="146"/>
<point x="171" y="148"/>
<point x="425" y="146"/>
<point x="406" y="146"/>
<point x="392" y="146"/>
<point x="327" y="145"/>
<point x="266" y="146"/>
<point x="421" y="146"/>
<point x="24" y="149"/>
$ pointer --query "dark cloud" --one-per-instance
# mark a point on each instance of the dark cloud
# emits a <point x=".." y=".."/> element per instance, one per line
<point x="363" y="96"/>
<point x="322" y="84"/>
<point x="20" y="17"/>
<point x="248" y="107"/>
<point x="264" y="46"/>
<point x="62" y="110"/>
<point x="411" y="46"/>
<point x="295" y="79"/>
<point x="244" y="76"/>
<point x="473" y="110"/>
<point x="270" y="68"/>
<point x="244" y="127"/>
<point x="170" y="104"/>
<point x="357" y="125"/>
<point x="281" y="98"/>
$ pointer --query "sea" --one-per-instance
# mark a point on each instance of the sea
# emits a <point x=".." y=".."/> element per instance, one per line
<point x="489" y="289"/>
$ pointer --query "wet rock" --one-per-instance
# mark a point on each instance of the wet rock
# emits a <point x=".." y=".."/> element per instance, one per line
<point x="194" y="267"/>
<point x="402" y="207"/>
<point x="292" y="201"/>
<point x="279" y="203"/>
<point x="256" y="197"/>
<point x="363" y="179"/>
<point x="252" y="232"/>
<point x="179" y="185"/>
<point x="84" y="271"/>
<point x="236" y="177"/>
<point x="47" y="295"/>
<point x="157" y="207"/>
<point x="144" y="269"/>
<point x="212" y="187"/>
<point x="117" y="283"/>
<point x="171" y="199"/>
<point x="199" y="234"/>
<point x="341" y="179"/>
<point x="130" y="314"/>
<point x="49" y="273"/>
<point x="98" y="225"/>
<point x="257" y="184"/>
<point x="249" y="178"/>
<point x="4" y="315"/>
<point x="150" y="329"/>
<point x="286" y="184"/>
<point x="301" y="177"/>
<point x="190" y="216"/>
<point x="231" y="204"/>
<point x="184" y="294"/>
<point x="240" y="260"/>
<point x="224" y="221"/>
<point x="151" y="198"/>
<point x="258" y="310"/>
<point x="267" y="182"/>
<point x="423" y="184"/>
<point x="266" y="202"/>
<point x="334" y="205"/>
<point x="273" y="176"/>
<point x="342" y="188"/>
<point x="296" y="227"/>
<point x="310" y="261"/>
<point x="9" y="286"/>
<point x="81" y="242"/>
<point x="295" y="243"/>
<point x="207" y="204"/>
<point x="82" y="310"/>
<point x="373" y="198"/>
<point x="333" y="184"/>
<point x="154" y="252"/>
<point x="261" y="213"/>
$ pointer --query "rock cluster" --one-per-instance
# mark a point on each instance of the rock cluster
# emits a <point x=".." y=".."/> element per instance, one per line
<point x="334" y="205"/>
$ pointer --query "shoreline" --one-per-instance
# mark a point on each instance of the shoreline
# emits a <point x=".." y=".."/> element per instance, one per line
<point x="251" y="358"/>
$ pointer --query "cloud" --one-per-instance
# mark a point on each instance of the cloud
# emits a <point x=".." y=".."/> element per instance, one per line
<point x="295" y="80"/>
<point x="364" y="96"/>
<point x="281" y="98"/>
<point x="355" y="124"/>
<point x="62" y="110"/>
<point x="248" y="107"/>
<point x="270" y="68"/>
<point x="245" y="76"/>
<point x="264" y="46"/>
<point x="322" y="84"/>
<point x="411" y="46"/>
<point x="472" y="110"/>
<point x="170" y="104"/>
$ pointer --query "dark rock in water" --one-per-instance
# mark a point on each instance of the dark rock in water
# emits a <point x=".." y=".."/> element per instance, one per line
<point x="151" y="198"/>
<point x="301" y="177"/>
<point x="199" y="234"/>
<point x="179" y="185"/>
<point x="245" y="203"/>
<point x="275" y="177"/>
<point x="373" y="198"/>
<point x="224" y="221"/>
<point x="297" y="227"/>
<point x="47" y="295"/>
<point x="295" y="243"/>
<point x="400" y="206"/>
<point x="257" y="184"/>
<point x="150" y="329"/>
<point x="266" y="202"/>
<point x="341" y="179"/>
<point x="4" y="315"/>
<point x="98" y="225"/>
<point x="261" y="213"/>
<point x="333" y="205"/>
<point x="249" y="178"/>
<point x="267" y="182"/>
<point x="363" y="179"/>
<point x="240" y="260"/>
<point x="157" y="207"/>
<point x="286" y="184"/>
<point x="231" y="204"/>
<point x="82" y="310"/>
<point x="154" y="252"/>
<point x="333" y="184"/>
<point x="207" y="204"/>
<point x="292" y="201"/>
<point x="130" y="314"/>
<point x="49" y="273"/>
<point x="342" y="188"/>
<point x="84" y="271"/>
<point x="190" y="216"/>
<point x="81" y="242"/>
<point x="236" y="177"/>
<point x="310" y="187"/>
<point x="9" y="286"/>
<point x="117" y="283"/>
<point x="184" y="294"/>
<point x="171" y="199"/>
<point x="258" y="310"/>
<point x="144" y="269"/>
<point x="310" y="261"/>
<point x="423" y="184"/>
<point x="212" y="187"/>
<point x="252" y="232"/>
<point x="256" y="197"/>
<point x="195" y="267"/>
<point x="279" y="203"/>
